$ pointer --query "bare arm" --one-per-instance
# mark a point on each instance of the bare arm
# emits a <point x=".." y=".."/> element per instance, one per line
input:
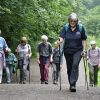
<point x="38" y="58"/>
<point x="30" y="52"/>
<point x="84" y="45"/>
<point x="37" y="55"/>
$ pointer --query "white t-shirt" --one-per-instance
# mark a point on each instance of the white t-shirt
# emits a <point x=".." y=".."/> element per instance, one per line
<point x="24" y="51"/>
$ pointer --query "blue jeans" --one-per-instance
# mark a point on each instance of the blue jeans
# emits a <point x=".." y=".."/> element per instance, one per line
<point x="56" y="70"/>
<point x="9" y="72"/>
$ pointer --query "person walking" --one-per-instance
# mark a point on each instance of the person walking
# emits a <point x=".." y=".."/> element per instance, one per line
<point x="57" y="62"/>
<point x="74" y="37"/>
<point x="44" y="57"/>
<point x="24" y="54"/>
<point x="10" y="64"/>
<point x="93" y="56"/>
<point x="3" y="49"/>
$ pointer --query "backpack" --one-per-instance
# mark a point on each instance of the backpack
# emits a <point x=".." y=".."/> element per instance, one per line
<point x="98" y="52"/>
<point x="80" y="27"/>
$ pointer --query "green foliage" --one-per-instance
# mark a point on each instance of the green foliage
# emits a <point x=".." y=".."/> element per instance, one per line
<point x="32" y="18"/>
<point x="91" y="19"/>
<point x="91" y="38"/>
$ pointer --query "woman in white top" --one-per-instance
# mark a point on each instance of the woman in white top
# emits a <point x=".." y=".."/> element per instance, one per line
<point x="24" y="54"/>
<point x="94" y="62"/>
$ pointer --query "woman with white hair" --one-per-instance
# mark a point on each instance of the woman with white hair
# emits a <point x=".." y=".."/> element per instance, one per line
<point x="74" y="37"/>
<point x="93" y="55"/>
<point x="44" y="52"/>
<point x="10" y="64"/>
<point x="3" y="48"/>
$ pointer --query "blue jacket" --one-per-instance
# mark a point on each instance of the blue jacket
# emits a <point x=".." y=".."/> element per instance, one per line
<point x="10" y="59"/>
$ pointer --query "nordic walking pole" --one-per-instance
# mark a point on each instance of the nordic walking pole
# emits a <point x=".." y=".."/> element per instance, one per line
<point x="85" y="71"/>
<point x="60" y="78"/>
<point x="52" y="70"/>
<point x="86" y="66"/>
<point x="29" y="71"/>
<point x="16" y="76"/>
<point x="29" y="75"/>
<point x="59" y="66"/>
<point x="86" y="81"/>
<point x="16" y="72"/>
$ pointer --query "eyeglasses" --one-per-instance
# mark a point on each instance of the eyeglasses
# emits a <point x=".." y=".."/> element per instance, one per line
<point x="73" y="21"/>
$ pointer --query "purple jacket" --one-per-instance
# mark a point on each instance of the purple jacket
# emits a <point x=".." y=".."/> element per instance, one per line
<point x="2" y="58"/>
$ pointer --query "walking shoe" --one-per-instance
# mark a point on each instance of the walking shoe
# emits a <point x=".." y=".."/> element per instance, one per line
<point x="24" y="82"/>
<point x="20" y="82"/>
<point x="95" y="85"/>
<point x="0" y="81"/>
<point x="42" y="82"/>
<point x="46" y="82"/>
<point x="55" y="82"/>
<point x="91" y="85"/>
<point x="72" y="89"/>
<point x="8" y="82"/>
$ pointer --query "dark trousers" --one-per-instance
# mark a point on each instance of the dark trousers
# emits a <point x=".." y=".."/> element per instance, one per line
<point x="93" y="74"/>
<point x="56" y="70"/>
<point x="72" y="61"/>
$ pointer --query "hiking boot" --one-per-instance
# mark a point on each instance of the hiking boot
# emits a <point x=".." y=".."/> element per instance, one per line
<point x="72" y="89"/>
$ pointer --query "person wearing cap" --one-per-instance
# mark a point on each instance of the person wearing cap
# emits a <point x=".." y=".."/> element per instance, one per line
<point x="24" y="54"/>
<point x="74" y="37"/>
<point x="44" y="57"/>
<point x="10" y="64"/>
<point x="3" y="49"/>
<point x="93" y="56"/>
